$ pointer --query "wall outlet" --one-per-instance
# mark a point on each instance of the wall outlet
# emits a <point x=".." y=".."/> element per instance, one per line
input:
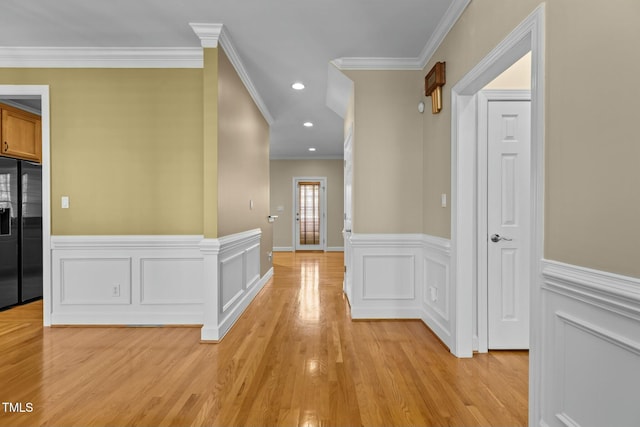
<point x="434" y="293"/>
<point x="270" y="256"/>
<point x="115" y="291"/>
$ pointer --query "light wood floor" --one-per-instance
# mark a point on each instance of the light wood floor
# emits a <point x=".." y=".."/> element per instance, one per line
<point x="294" y="358"/>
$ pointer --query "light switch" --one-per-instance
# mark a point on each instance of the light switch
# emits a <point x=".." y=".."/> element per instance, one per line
<point x="443" y="200"/>
<point x="65" y="202"/>
<point x="251" y="204"/>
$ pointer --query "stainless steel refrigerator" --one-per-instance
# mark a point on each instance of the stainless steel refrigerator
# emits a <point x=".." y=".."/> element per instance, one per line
<point x="20" y="231"/>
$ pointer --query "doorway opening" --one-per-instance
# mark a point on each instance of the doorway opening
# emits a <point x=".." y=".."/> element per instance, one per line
<point x="503" y="205"/>
<point x="528" y="36"/>
<point x="309" y="213"/>
<point x="29" y="97"/>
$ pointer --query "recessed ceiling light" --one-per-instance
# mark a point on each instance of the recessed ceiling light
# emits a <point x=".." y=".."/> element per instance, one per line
<point x="308" y="124"/>
<point x="312" y="149"/>
<point x="297" y="86"/>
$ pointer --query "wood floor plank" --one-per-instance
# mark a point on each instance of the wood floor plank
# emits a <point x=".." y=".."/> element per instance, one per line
<point x="293" y="358"/>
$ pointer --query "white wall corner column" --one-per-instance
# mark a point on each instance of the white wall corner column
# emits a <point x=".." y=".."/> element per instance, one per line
<point x="210" y="249"/>
<point x="231" y="280"/>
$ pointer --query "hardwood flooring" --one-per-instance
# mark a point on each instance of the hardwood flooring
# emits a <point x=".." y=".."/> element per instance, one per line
<point x="294" y="359"/>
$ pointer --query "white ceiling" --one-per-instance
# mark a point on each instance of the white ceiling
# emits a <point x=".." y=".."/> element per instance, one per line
<point x="278" y="41"/>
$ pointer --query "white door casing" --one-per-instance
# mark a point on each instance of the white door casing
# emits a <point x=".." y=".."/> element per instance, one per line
<point x="508" y="223"/>
<point x="348" y="188"/>
<point x="322" y="212"/>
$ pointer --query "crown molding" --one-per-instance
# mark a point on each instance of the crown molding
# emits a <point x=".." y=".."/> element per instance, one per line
<point x="213" y="34"/>
<point x="447" y="22"/>
<point x="355" y="63"/>
<point x="445" y="25"/>
<point x="100" y="57"/>
<point x="234" y="58"/>
<point x="209" y="34"/>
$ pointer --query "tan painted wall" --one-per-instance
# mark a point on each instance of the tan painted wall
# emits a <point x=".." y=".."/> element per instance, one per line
<point x="591" y="166"/>
<point x="591" y="170"/>
<point x="592" y="150"/>
<point x="243" y="160"/>
<point x="518" y="76"/>
<point x="282" y="173"/>
<point x="387" y="160"/>
<point x="126" y="147"/>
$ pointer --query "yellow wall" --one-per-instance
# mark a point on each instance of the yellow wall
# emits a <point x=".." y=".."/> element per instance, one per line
<point x="126" y="147"/>
<point x="282" y="173"/>
<point x="243" y="160"/>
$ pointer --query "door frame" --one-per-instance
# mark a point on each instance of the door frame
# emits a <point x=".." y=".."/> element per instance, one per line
<point x="43" y="92"/>
<point x="527" y="36"/>
<point x="484" y="97"/>
<point x="323" y="209"/>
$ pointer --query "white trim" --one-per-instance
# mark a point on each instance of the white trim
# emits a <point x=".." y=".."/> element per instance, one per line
<point x="447" y="22"/>
<point x="335" y="249"/>
<point x="85" y="268"/>
<point x="234" y="57"/>
<point x="529" y="35"/>
<point x="371" y="63"/>
<point x="445" y="25"/>
<point x="124" y="242"/>
<point x="282" y="249"/>
<point x="100" y="57"/>
<point x="43" y="92"/>
<point x="613" y="292"/>
<point x="213" y="34"/>
<point x="209" y="34"/>
<point x="237" y="311"/>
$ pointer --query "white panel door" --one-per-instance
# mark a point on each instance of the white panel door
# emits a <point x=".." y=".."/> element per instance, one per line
<point x="508" y="223"/>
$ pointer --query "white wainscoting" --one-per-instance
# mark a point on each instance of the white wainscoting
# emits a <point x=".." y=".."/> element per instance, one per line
<point x="232" y="279"/>
<point x="437" y="301"/>
<point x="402" y="276"/>
<point x="591" y="347"/>
<point x="122" y="280"/>
<point x="155" y="280"/>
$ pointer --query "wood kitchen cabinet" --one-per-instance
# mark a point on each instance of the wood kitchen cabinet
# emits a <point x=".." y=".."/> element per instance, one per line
<point x="21" y="134"/>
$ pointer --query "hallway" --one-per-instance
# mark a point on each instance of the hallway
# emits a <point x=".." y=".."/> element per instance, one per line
<point x="293" y="358"/>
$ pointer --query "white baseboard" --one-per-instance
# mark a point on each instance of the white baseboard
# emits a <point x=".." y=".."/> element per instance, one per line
<point x="334" y="249"/>
<point x="242" y="305"/>
<point x="282" y="249"/>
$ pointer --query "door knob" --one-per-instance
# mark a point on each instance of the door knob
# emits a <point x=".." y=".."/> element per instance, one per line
<point x="496" y="238"/>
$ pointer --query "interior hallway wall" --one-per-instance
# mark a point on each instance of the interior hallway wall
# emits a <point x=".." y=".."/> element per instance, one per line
<point x="243" y="161"/>
<point x="282" y="173"/>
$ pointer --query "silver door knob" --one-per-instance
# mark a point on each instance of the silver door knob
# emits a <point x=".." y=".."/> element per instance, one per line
<point x="496" y="238"/>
